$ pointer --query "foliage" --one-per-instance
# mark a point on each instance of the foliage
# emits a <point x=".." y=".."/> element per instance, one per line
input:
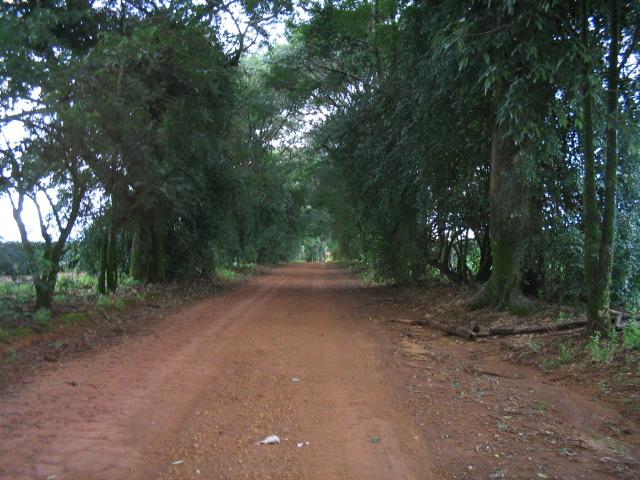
<point x="110" y="303"/>
<point x="72" y="318"/>
<point x="601" y="349"/>
<point x="415" y="139"/>
<point x="151" y="114"/>
<point x="410" y="117"/>
<point x="631" y="335"/>
<point x="42" y="316"/>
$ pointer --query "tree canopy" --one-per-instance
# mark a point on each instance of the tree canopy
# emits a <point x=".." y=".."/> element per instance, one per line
<point x="485" y="143"/>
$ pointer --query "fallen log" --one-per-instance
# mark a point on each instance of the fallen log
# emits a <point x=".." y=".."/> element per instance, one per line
<point x="452" y="329"/>
<point x="622" y="319"/>
<point x="476" y="371"/>
<point x="536" y="328"/>
<point x="619" y="320"/>
<point x="478" y="332"/>
<point x="405" y="321"/>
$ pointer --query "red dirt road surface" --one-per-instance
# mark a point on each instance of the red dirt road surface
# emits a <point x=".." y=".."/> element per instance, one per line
<point x="300" y="352"/>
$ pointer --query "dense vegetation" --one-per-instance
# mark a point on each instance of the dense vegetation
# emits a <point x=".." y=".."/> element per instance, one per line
<point x="490" y="143"/>
<point x="149" y="132"/>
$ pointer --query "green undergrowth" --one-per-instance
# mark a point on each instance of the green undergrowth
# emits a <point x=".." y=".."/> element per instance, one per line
<point x="226" y="274"/>
<point x="8" y="334"/>
<point x="111" y="303"/>
<point x="40" y="322"/>
<point x="603" y="349"/>
<point x="235" y="273"/>
<point x="77" y="292"/>
<point x="73" y="318"/>
<point x="615" y="347"/>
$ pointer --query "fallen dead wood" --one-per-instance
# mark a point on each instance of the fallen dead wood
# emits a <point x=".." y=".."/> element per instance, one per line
<point x="452" y="330"/>
<point x="622" y="319"/>
<point x="618" y="319"/>
<point x="497" y="331"/>
<point x="476" y="371"/>
<point x="403" y="321"/>
<point x="478" y="332"/>
<point x="406" y="321"/>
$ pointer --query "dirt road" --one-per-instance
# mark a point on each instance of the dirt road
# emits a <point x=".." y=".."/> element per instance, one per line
<point x="213" y="381"/>
<point x="298" y="353"/>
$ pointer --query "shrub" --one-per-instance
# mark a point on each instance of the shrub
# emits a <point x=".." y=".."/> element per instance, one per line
<point x="42" y="316"/>
<point x="601" y="350"/>
<point x="631" y="335"/>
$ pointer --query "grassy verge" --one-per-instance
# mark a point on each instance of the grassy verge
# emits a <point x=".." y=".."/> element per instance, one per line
<point x="77" y="304"/>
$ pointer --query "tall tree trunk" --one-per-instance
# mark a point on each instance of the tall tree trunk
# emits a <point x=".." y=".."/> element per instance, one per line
<point x="137" y="269"/>
<point x="599" y="232"/>
<point x="484" y="269"/>
<point x="591" y="211"/>
<point x="102" y="272"/>
<point x="375" y="20"/>
<point x="533" y="270"/>
<point x="157" y="270"/>
<point x="112" y="264"/>
<point x="45" y="281"/>
<point x="508" y="217"/>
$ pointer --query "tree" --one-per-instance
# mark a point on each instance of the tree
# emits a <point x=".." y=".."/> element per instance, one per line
<point x="600" y="222"/>
<point x="51" y="171"/>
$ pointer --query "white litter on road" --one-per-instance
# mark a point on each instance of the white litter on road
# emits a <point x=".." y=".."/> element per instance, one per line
<point x="301" y="444"/>
<point x="295" y="379"/>
<point x="177" y="462"/>
<point x="270" y="440"/>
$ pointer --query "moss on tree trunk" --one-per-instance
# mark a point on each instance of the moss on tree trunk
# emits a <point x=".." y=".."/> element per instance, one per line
<point x="599" y="229"/>
<point x="508" y="221"/>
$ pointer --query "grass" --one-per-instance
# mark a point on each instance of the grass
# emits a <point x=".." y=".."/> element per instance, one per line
<point x="8" y="334"/>
<point x="19" y="292"/>
<point x="75" y="283"/>
<point x="72" y="318"/>
<point x="602" y="349"/>
<point x="110" y="303"/>
<point x="599" y="348"/>
<point x="68" y="284"/>
<point x="565" y="356"/>
<point x="235" y="273"/>
<point x="42" y="316"/>
<point x="11" y="355"/>
<point x="6" y="312"/>
<point x="534" y="346"/>
<point x="226" y="274"/>
<point x="631" y="335"/>
<point x="542" y="406"/>
<point x="130" y="282"/>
